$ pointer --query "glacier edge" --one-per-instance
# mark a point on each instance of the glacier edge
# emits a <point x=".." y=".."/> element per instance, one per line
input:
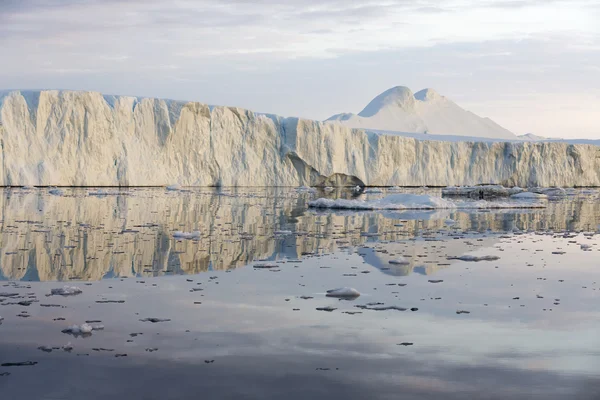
<point x="72" y="138"/>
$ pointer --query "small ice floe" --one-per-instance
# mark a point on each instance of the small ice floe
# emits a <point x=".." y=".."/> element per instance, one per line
<point x="585" y="247"/>
<point x="56" y="192"/>
<point x="67" y="347"/>
<point x="305" y="189"/>
<point x="449" y="222"/>
<point x="83" y="329"/>
<point x="400" y="261"/>
<point x="66" y="291"/>
<point x="380" y="307"/>
<point x="173" y="188"/>
<point x="373" y="191"/>
<point x="326" y="308"/>
<point x="480" y="191"/>
<point x="282" y="233"/>
<point x="27" y="187"/>
<point x="103" y="193"/>
<point x="328" y="189"/>
<point x="549" y="191"/>
<point x="187" y="235"/>
<point x="344" y="292"/>
<point x="357" y="189"/>
<point x="154" y="320"/>
<point x="407" y="201"/>
<point x="474" y="258"/>
<point x="529" y="195"/>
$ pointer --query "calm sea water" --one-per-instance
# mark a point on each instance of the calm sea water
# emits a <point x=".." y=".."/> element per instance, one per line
<point x="523" y="326"/>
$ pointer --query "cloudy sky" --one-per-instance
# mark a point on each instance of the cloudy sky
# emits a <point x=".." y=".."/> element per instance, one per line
<point x="531" y="65"/>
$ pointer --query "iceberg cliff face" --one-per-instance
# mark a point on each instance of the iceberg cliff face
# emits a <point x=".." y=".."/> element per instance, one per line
<point x="68" y="138"/>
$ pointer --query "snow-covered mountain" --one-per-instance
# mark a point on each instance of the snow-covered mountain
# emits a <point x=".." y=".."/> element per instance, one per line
<point x="426" y="111"/>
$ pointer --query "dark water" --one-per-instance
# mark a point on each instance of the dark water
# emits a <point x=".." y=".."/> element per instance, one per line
<point x="532" y="330"/>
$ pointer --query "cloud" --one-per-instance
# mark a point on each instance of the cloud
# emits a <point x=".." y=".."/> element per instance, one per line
<point x="334" y="55"/>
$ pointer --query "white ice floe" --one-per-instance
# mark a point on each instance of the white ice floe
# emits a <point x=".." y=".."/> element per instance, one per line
<point x="481" y="191"/>
<point x="174" y="188"/>
<point x="78" y="329"/>
<point x="400" y="261"/>
<point x="329" y="189"/>
<point x="418" y="202"/>
<point x="187" y="235"/>
<point x="305" y="189"/>
<point x="56" y="192"/>
<point x="475" y="258"/>
<point x="343" y="292"/>
<point x="550" y="191"/>
<point x="101" y="193"/>
<point x="66" y="291"/>
<point x="529" y="195"/>
<point x="373" y="191"/>
<point x="282" y="233"/>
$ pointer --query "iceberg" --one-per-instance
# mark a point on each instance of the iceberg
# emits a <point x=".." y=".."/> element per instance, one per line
<point x="71" y="138"/>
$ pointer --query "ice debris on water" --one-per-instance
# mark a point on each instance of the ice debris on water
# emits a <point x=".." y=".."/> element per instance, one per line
<point x="400" y="261"/>
<point x="475" y="258"/>
<point x="66" y="291"/>
<point x="343" y="292"/>
<point x="154" y="320"/>
<point x="78" y="329"/>
<point x="529" y="195"/>
<point x="174" y="187"/>
<point x="481" y="191"/>
<point x="187" y="235"/>
<point x="406" y="201"/>
<point x="56" y="192"/>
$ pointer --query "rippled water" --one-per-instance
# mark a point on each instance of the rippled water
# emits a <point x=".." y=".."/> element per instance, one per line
<point x="528" y="327"/>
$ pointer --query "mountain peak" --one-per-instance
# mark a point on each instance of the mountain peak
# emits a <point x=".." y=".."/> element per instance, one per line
<point x="398" y="109"/>
<point x="399" y="96"/>
<point x="428" y="95"/>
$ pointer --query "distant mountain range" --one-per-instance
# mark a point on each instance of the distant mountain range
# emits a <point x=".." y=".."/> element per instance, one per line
<point x="426" y="111"/>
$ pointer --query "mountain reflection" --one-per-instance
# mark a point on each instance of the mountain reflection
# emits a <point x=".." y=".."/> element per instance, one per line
<point x="78" y="236"/>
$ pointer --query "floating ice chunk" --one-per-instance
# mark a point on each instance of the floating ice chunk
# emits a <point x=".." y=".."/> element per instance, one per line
<point x="101" y="193"/>
<point x="450" y="222"/>
<point x="407" y="201"/>
<point x="328" y="189"/>
<point x="305" y="189"/>
<point x="78" y="329"/>
<point x="155" y="320"/>
<point x="27" y="187"/>
<point x="529" y="195"/>
<point x="56" y="192"/>
<point x="550" y="191"/>
<point x="475" y="258"/>
<point x="480" y="191"/>
<point x="381" y="307"/>
<point x="357" y="188"/>
<point x="173" y="188"/>
<point x="187" y="235"/>
<point x="373" y="191"/>
<point x="66" y="291"/>
<point x="282" y="233"/>
<point x="400" y="261"/>
<point x="343" y="292"/>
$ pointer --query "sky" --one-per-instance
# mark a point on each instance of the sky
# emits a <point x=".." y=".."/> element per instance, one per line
<point x="533" y="66"/>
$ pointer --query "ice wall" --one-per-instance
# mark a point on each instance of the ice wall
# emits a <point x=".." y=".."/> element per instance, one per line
<point x="71" y="138"/>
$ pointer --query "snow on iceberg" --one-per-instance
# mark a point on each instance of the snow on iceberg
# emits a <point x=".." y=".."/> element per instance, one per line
<point x="407" y="201"/>
<point x="343" y="292"/>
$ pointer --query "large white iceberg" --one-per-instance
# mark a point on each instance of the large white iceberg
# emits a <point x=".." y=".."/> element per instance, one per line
<point x="68" y="138"/>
